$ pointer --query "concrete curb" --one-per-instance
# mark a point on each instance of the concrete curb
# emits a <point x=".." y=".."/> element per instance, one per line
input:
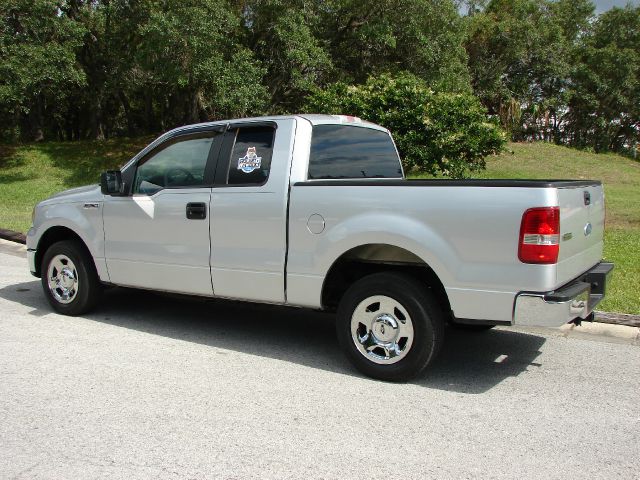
<point x="603" y="329"/>
<point x="13" y="236"/>
<point x="618" y="318"/>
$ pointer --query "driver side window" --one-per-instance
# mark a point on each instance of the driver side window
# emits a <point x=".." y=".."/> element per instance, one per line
<point x="179" y="164"/>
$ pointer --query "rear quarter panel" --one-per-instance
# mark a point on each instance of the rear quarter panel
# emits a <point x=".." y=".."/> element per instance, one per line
<point x="467" y="235"/>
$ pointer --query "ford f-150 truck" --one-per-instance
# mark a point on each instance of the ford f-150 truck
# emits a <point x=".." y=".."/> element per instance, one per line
<point x="314" y="211"/>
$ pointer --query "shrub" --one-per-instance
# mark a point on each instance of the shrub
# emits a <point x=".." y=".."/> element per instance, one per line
<point x="436" y="133"/>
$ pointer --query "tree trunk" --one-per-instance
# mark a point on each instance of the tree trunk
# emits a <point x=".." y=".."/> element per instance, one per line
<point x="148" y="111"/>
<point x="193" y="107"/>
<point x="127" y="113"/>
<point x="96" y="131"/>
<point x="36" y="132"/>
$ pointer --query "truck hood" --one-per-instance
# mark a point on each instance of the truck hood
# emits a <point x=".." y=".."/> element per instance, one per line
<point x="89" y="193"/>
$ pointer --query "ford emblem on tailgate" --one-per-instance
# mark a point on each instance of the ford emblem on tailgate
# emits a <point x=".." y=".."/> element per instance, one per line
<point x="587" y="229"/>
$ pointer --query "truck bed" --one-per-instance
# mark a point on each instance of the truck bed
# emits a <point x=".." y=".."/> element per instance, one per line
<point x="469" y="236"/>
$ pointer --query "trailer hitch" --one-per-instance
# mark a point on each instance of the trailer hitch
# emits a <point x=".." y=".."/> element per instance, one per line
<point x="578" y="321"/>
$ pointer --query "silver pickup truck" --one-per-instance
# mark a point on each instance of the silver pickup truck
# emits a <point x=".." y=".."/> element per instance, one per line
<point x="314" y="211"/>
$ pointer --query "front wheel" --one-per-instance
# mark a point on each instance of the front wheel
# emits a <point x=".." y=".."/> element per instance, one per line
<point x="389" y="326"/>
<point x="69" y="278"/>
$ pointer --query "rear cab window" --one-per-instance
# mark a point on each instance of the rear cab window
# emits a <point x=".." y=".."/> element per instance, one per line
<point x="250" y="162"/>
<point x="348" y="151"/>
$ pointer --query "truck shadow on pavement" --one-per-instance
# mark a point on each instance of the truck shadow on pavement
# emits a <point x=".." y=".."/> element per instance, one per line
<point x="470" y="362"/>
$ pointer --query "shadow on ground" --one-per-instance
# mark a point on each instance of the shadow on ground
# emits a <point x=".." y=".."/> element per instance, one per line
<point x="6" y="178"/>
<point x="470" y="362"/>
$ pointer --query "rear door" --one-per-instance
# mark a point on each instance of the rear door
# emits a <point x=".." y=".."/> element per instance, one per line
<point x="249" y="211"/>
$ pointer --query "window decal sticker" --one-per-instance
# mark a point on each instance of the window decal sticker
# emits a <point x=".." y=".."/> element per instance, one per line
<point x="250" y="162"/>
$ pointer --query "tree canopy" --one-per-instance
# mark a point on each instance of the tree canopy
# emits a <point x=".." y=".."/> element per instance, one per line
<point x="545" y="69"/>
<point x="552" y="70"/>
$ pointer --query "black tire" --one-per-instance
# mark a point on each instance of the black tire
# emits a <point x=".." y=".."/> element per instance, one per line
<point x="89" y="289"/>
<point x="424" y="313"/>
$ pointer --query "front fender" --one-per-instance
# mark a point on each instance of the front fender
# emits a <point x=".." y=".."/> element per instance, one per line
<point x="81" y="218"/>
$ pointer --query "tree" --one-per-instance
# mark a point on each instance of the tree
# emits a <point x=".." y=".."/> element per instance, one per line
<point x="38" y="65"/>
<point x="120" y="67"/>
<point x="370" y="37"/>
<point x="304" y="44"/>
<point x="192" y="59"/>
<point x="520" y="57"/>
<point x="283" y="37"/>
<point x="604" y="106"/>
<point x="443" y="133"/>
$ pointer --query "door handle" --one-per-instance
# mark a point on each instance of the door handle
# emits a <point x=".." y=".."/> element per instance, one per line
<point x="196" y="211"/>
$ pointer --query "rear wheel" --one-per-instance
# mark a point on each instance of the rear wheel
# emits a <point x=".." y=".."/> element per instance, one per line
<point x="69" y="278"/>
<point x="389" y="326"/>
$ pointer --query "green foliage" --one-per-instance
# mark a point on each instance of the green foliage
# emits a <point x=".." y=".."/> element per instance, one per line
<point x="520" y="55"/>
<point x="116" y="67"/>
<point x="446" y="133"/>
<point x="190" y="50"/>
<point x="37" y="60"/>
<point x="551" y="70"/>
<point x="547" y="69"/>
<point x="282" y="35"/>
<point x="605" y="93"/>
<point x="370" y="37"/>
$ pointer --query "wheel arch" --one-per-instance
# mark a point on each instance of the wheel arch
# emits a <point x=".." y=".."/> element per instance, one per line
<point x="53" y="235"/>
<point x="367" y="259"/>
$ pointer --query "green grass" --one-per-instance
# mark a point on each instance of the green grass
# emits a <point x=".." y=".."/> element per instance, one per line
<point x="30" y="173"/>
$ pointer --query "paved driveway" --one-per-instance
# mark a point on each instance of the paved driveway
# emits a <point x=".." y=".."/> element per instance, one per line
<point x="150" y="386"/>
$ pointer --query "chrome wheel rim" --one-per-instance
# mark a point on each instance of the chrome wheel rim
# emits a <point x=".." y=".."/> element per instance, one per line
<point x="382" y="330"/>
<point x="62" y="278"/>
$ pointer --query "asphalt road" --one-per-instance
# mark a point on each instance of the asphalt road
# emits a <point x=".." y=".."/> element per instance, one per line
<point x="151" y="386"/>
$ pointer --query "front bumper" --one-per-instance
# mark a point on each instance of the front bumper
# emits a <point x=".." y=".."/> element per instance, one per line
<point x="578" y="299"/>
<point x="31" y="258"/>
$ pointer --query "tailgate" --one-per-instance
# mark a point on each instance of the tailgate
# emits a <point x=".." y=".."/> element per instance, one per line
<point x="581" y="230"/>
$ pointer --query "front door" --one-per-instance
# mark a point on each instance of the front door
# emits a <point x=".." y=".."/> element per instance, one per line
<point x="158" y="236"/>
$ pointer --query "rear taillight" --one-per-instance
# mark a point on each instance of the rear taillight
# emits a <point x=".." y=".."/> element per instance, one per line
<point x="540" y="235"/>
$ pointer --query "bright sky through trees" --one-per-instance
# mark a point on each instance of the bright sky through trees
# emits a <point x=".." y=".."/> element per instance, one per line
<point x="602" y="5"/>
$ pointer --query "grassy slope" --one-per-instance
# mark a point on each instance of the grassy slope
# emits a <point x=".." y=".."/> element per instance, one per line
<point x="31" y="173"/>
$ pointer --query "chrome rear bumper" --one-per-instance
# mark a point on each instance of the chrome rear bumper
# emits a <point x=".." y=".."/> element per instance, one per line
<point x="578" y="299"/>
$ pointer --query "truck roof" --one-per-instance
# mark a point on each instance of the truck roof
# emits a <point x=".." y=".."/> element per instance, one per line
<point x="313" y="118"/>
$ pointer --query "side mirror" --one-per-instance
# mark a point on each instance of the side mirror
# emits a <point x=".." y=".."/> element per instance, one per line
<point x="111" y="183"/>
